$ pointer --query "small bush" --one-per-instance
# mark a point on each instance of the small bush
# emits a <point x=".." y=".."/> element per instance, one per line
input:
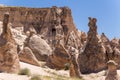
<point x="24" y="71"/>
<point x="67" y="66"/>
<point x="36" y="77"/>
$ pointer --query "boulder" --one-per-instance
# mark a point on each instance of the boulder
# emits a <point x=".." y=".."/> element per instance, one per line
<point x="39" y="47"/>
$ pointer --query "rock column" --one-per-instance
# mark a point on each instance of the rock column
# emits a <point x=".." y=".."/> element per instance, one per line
<point x="9" y="61"/>
<point x="112" y="71"/>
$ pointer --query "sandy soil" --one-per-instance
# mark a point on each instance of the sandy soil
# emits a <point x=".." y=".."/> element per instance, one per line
<point x="34" y="70"/>
<point x="48" y="72"/>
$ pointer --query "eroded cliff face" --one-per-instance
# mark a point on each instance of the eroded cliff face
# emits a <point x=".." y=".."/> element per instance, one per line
<point x="49" y="34"/>
<point x="52" y="25"/>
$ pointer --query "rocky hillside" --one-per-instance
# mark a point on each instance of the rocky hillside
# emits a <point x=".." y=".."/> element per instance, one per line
<point x="32" y="35"/>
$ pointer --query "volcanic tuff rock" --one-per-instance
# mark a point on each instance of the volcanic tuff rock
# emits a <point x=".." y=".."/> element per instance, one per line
<point x="112" y="71"/>
<point x="9" y="61"/>
<point x="115" y="43"/>
<point x="92" y="59"/>
<point x="39" y="47"/>
<point x="104" y="39"/>
<point x="26" y="55"/>
<point x="59" y="58"/>
<point x="74" y="65"/>
<point x="112" y="49"/>
<point x="54" y="25"/>
<point x="51" y="35"/>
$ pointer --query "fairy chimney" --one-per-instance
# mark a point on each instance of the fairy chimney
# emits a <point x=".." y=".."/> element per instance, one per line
<point x="112" y="71"/>
<point x="9" y="61"/>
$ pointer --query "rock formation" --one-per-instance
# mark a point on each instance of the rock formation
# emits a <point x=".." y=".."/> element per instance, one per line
<point x="112" y="49"/>
<point x="9" y="61"/>
<point x="112" y="71"/>
<point x="115" y="43"/>
<point x="26" y="55"/>
<point x="39" y="47"/>
<point x="83" y="37"/>
<point x="49" y="34"/>
<point x="74" y="65"/>
<point x="60" y="35"/>
<point x="43" y="29"/>
<point x="92" y="59"/>
<point x="59" y="58"/>
<point x="116" y="56"/>
<point x="105" y="40"/>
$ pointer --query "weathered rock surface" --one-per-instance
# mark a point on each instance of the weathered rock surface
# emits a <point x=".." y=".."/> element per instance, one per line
<point x="92" y="59"/>
<point x="54" y="25"/>
<point x="116" y="56"/>
<point x="26" y="55"/>
<point x="115" y="43"/>
<point x="59" y="58"/>
<point x="83" y="37"/>
<point x="62" y="32"/>
<point x="104" y="39"/>
<point x="19" y="36"/>
<point x="39" y="47"/>
<point x="49" y="32"/>
<point x="112" y="49"/>
<point x="112" y="71"/>
<point x="74" y="65"/>
<point x="9" y="61"/>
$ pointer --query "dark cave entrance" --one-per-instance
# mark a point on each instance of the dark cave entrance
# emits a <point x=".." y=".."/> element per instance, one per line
<point x="53" y="32"/>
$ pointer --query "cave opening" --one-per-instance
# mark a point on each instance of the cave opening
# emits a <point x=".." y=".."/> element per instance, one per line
<point x="53" y="31"/>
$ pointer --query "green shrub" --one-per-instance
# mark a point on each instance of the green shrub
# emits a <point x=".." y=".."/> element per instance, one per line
<point x="24" y="71"/>
<point x="67" y="66"/>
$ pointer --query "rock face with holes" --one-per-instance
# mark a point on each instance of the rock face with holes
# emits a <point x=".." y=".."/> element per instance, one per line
<point x="49" y="34"/>
<point x="9" y="61"/>
<point x="60" y="35"/>
<point x="93" y="58"/>
<point x="54" y="25"/>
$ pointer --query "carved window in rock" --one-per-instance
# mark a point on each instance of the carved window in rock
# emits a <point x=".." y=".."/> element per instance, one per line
<point x="53" y="32"/>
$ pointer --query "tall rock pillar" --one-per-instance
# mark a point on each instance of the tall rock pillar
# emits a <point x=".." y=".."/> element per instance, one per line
<point x="92" y="59"/>
<point x="9" y="61"/>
